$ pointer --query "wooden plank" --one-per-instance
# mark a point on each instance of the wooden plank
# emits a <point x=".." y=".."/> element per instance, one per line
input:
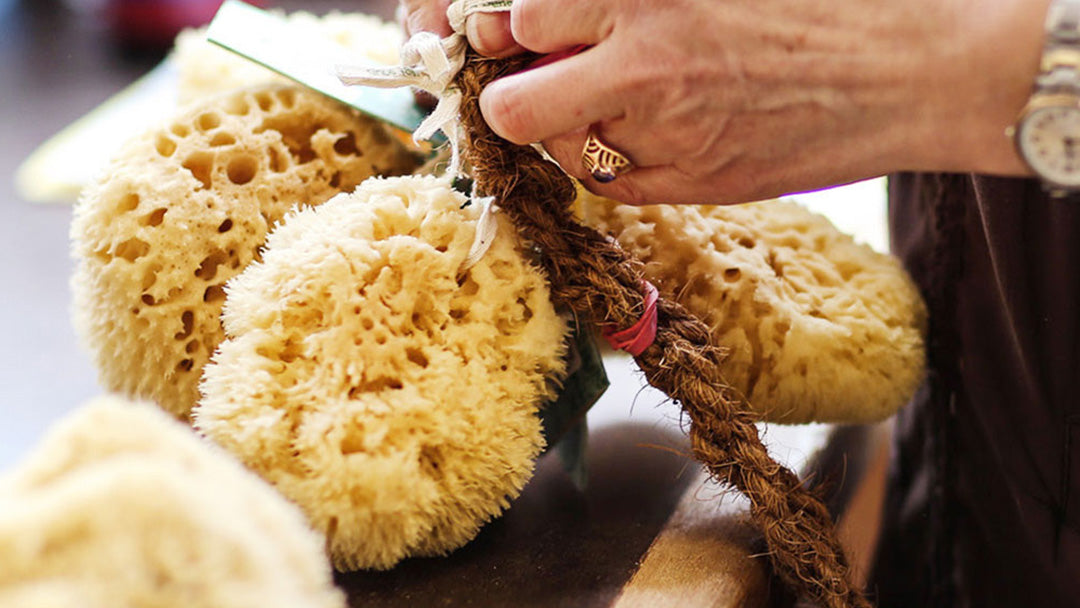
<point x="708" y="555"/>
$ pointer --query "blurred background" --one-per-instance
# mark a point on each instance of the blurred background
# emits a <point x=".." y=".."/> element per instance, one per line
<point x="59" y="59"/>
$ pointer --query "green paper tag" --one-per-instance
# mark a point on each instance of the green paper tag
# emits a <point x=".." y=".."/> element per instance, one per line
<point x="564" y="419"/>
<point x="268" y="40"/>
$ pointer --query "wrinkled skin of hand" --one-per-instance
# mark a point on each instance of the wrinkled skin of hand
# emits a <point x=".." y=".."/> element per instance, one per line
<point x="723" y="102"/>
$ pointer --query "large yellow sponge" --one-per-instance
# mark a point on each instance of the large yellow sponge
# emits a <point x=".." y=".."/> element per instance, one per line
<point x="388" y="390"/>
<point x="186" y="207"/>
<point x="123" y="506"/>
<point x="820" y="328"/>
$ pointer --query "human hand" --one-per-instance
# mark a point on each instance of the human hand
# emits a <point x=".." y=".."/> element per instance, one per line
<point x="488" y="33"/>
<point x="748" y="99"/>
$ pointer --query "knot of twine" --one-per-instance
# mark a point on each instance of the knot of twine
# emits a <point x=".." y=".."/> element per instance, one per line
<point x="602" y="283"/>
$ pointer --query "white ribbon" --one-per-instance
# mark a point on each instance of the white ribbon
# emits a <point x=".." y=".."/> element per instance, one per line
<point x="431" y="64"/>
<point x="486" y="227"/>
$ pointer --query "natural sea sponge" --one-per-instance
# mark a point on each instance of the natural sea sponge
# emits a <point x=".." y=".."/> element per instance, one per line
<point x="819" y="327"/>
<point x="186" y="207"/>
<point x="120" y="505"/>
<point x="378" y="384"/>
<point x="205" y="69"/>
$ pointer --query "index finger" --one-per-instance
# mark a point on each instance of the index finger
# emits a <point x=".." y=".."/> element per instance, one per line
<point x="556" y="98"/>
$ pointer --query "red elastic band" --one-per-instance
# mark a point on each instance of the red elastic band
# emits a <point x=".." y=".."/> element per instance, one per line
<point x="553" y="57"/>
<point x="639" y="336"/>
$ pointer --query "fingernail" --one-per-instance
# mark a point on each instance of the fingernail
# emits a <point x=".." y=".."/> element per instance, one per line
<point x="489" y="34"/>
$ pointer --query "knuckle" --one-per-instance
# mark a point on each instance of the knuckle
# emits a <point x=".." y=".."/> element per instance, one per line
<point x="487" y="33"/>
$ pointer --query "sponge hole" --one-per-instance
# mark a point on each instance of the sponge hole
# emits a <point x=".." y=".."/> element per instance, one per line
<point x="128" y="203"/>
<point x="732" y="275"/>
<point x="279" y="161"/>
<point x="150" y="277"/>
<point x="213" y="294"/>
<point x="264" y="100"/>
<point x="222" y="139"/>
<point x="242" y="170"/>
<point x="430" y="462"/>
<point x="287" y="97"/>
<point x="201" y="165"/>
<point x="469" y="287"/>
<point x="155" y="217"/>
<point x="187" y="322"/>
<point x="417" y="357"/>
<point x="346" y="146"/>
<point x="164" y="145"/>
<point x="237" y="106"/>
<point x="132" y="249"/>
<point x="207" y="269"/>
<point x="207" y="121"/>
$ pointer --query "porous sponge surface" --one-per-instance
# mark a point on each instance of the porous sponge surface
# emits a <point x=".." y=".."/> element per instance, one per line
<point x="205" y="69"/>
<point x="186" y="207"/>
<point x="120" y="505"/>
<point x="819" y="327"/>
<point x="381" y="387"/>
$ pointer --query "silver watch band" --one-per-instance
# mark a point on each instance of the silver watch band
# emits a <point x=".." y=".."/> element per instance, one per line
<point x="1060" y="66"/>
<point x="1063" y="22"/>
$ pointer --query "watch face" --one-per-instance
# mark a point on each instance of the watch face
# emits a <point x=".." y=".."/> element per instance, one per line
<point x="1049" y="140"/>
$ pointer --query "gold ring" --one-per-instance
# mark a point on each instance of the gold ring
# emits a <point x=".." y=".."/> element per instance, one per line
<point x="602" y="161"/>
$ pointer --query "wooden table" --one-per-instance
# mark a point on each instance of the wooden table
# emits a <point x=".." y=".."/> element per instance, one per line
<point x="647" y="531"/>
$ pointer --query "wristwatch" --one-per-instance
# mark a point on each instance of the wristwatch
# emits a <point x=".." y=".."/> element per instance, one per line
<point x="1047" y="133"/>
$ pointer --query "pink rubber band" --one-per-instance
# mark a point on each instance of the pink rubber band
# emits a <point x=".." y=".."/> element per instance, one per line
<point x="553" y="57"/>
<point x="639" y="336"/>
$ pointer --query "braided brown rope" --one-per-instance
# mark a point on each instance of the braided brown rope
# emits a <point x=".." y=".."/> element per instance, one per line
<point x="602" y="284"/>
